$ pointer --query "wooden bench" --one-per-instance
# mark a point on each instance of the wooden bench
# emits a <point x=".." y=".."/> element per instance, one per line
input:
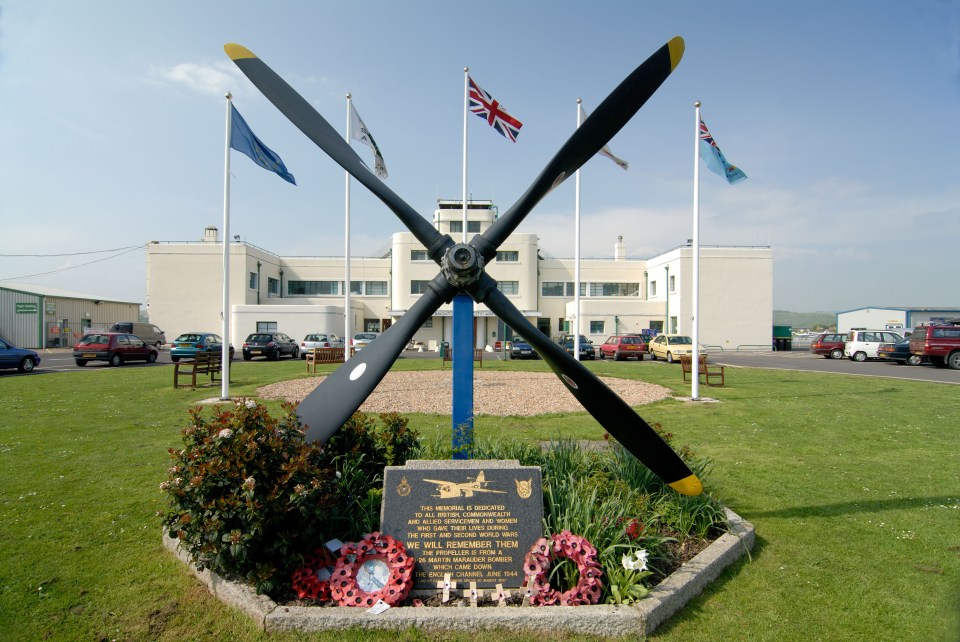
<point x="205" y="363"/>
<point x="448" y="356"/>
<point x="323" y="355"/>
<point x="709" y="373"/>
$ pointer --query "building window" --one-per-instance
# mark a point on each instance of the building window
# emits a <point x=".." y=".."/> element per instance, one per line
<point x="273" y="287"/>
<point x="472" y="226"/>
<point x="428" y="323"/>
<point x="313" y="288"/>
<point x="356" y="287"/>
<point x="375" y="288"/>
<point x="561" y="326"/>
<point x="511" y="256"/>
<point x="596" y="327"/>
<point x="569" y="289"/>
<point x="673" y="283"/>
<point x="653" y="289"/>
<point x="551" y="288"/>
<point x="418" y="287"/>
<point x="371" y="325"/>
<point x="419" y="255"/>
<point x="614" y="289"/>
<point x="254" y="281"/>
<point x="509" y="287"/>
<point x="456" y="227"/>
<point x="266" y="326"/>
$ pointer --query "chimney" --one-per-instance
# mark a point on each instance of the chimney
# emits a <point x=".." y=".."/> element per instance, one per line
<point x="210" y="234"/>
<point x="619" y="250"/>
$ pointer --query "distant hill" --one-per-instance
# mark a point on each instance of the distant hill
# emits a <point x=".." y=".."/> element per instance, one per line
<point x="807" y="320"/>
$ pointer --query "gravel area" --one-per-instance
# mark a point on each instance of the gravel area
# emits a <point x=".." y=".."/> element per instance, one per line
<point x="495" y="393"/>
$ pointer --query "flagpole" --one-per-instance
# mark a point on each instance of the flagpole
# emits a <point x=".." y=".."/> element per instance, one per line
<point x="225" y="348"/>
<point x="576" y="253"/>
<point x="346" y="250"/>
<point x="466" y="112"/>
<point x="695" y="363"/>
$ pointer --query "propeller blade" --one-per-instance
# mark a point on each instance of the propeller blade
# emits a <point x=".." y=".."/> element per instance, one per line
<point x="327" y="408"/>
<point x="595" y="132"/>
<point x="612" y="412"/>
<point x="310" y="122"/>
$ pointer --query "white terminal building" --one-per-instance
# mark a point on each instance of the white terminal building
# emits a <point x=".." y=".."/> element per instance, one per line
<point x="618" y="295"/>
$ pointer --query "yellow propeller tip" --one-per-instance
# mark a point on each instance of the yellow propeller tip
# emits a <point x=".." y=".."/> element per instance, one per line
<point x="676" y="48"/>
<point x="688" y="486"/>
<point x="237" y="52"/>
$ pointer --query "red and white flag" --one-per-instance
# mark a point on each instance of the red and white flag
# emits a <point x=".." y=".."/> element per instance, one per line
<point x="486" y="106"/>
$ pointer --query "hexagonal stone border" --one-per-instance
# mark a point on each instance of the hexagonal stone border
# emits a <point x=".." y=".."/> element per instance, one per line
<point x="642" y="618"/>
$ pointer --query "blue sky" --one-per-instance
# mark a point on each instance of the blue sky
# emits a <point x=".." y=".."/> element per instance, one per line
<point x="843" y="115"/>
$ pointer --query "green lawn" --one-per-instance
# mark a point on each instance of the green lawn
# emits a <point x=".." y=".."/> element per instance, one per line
<point x="853" y="484"/>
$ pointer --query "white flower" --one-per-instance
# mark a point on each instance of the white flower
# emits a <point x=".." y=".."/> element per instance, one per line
<point x="251" y="404"/>
<point x="637" y="561"/>
<point x="226" y="433"/>
<point x="249" y="483"/>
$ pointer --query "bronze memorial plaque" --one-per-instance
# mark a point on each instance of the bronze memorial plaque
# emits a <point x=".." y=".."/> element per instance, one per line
<point x="474" y="519"/>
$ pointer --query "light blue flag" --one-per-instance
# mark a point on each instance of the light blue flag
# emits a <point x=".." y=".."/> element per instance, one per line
<point x="716" y="161"/>
<point x="244" y="140"/>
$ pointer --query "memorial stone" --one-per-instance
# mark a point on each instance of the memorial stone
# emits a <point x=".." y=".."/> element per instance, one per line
<point x="474" y="519"/>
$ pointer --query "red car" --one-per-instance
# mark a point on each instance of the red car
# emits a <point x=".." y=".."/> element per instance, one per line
<point x="115" y="348"/>
<point x="623" y="347"/>
<point x="829" y="344"/>
<point x="938" y="343"/>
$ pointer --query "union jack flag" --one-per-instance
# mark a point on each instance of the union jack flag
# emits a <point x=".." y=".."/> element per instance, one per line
<point x="716" y="161"/>
<point x="486" y="107"/>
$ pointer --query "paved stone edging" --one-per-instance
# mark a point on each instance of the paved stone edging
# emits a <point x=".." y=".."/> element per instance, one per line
<point x="606" y="620"/>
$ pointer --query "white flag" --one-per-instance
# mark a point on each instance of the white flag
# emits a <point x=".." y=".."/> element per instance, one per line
<point x="606" y="149"/>
<point x="361" y="133"/>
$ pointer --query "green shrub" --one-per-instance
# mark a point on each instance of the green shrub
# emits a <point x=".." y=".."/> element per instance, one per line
<point x="248" y="496"/>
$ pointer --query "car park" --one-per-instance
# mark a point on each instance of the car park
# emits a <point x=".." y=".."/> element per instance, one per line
<point x="899" y="352"/>
<point x="520" y="349"/>
<point x="271" y="345"/>
<point x="587" y="351"/>
<point x="829" y="344"/>
<point x="20" y="358"/>
<point x="862" y="344"/>
<point x="319" y="340"/>
<point x="362" y="339"/>
<point x="148" y="332"/>
<point x="670" y="347"/>
<point x="940" y="344"/>
<point x="116" y="348"/>
<point x="623" y="347"/>
<point x="189" y="344"/>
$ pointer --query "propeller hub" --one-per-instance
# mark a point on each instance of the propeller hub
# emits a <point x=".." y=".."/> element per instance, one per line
<point x="462" y="265"/>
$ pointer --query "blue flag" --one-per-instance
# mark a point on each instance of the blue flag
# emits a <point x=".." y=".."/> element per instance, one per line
<point x="716" y="161"/>
<point x="244" y="140"/>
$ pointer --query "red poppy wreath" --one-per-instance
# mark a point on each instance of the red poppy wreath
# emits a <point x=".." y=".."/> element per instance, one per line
<point x="579" y="551"/>
<point x="375" y="568"/>
<point x="311" y="581"/>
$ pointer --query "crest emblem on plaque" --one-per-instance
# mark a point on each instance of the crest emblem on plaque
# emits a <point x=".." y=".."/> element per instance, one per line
<point x="524" y="488"/>
<point x="403" y="488"/>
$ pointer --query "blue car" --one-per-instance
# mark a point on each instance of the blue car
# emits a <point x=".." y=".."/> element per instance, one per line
<point x="19" y="358"/>
<point x="520" y="349"/>
<point x="188" y="344"/>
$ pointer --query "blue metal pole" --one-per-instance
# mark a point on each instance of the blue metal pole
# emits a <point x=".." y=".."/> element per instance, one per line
<point x="462" y="376"/>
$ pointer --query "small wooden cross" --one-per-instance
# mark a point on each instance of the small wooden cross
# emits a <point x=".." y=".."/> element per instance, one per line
<point x="501" y="595"/>
<point x="527" y="591"/>
<point x="445" y="586"/>
<point x="475" y="594"/>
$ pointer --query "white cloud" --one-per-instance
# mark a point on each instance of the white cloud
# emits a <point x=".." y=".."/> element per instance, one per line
<point x="214" y="79"/>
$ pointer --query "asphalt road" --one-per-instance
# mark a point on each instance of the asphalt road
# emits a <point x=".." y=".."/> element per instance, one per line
<point x="60" y="360"/>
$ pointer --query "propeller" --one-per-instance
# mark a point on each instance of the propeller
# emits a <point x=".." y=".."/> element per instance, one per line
<point x="325" y="409"/>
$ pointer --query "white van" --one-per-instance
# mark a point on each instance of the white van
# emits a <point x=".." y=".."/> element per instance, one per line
<point x="862" y="344"/>
<point x="147" y="332"/>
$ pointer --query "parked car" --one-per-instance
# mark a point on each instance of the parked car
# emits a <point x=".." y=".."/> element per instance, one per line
<point x="899" y="352"/>
<point x="319" y="340"/>
<point x="520" y="349"/>
<point x="361" y="339"/>
<point x="20" y="358"/>
<point x="623" y="347"/>
<point x="271" y="345"/>
<point x="862" y="344"/>
<point x="587" y="351"/>
<point x="187" y="345"/>
<point x="670" y="347"/>
<point x="116" y="348"/>
<point x="829" y="345"/>
<point x="147" y="331"/>
<point x="940" y="344"/>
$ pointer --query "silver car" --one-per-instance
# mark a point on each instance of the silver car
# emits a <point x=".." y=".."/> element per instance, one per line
<point x="319" y="340"/>
<point x="361" y="339"/>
